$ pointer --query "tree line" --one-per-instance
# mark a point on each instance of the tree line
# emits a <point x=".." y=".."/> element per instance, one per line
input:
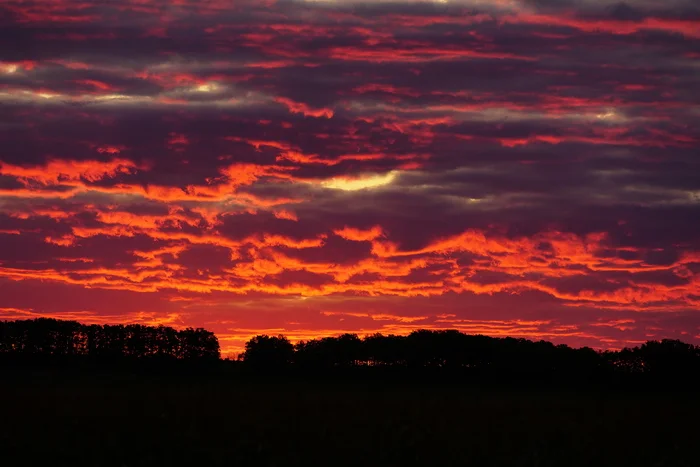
<point x="46" y="337"/>
<point x="454" y="351"/>
<point x="421" y="351"/>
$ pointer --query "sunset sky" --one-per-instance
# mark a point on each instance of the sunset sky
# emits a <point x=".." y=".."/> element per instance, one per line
<point x="527" y="168"/>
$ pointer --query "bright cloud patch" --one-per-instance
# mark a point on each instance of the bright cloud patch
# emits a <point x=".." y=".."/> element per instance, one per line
<point x="360" y="183"/>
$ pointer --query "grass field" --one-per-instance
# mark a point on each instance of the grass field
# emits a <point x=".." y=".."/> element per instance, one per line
<point x="141" y="422"/>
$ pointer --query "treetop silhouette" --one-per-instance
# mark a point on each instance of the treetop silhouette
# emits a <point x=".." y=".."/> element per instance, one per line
<point x="445" y="351"/>
<point x="46" y="337"/>
<point x="451" y="350"/>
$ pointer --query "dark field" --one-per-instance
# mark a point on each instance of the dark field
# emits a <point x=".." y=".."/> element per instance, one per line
<point x="138" y="422"/>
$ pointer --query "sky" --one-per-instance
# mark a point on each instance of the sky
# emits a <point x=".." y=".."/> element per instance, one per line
<point x="525" y="168"/>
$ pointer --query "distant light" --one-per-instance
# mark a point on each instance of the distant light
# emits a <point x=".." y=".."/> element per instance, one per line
<point x="11" y="68"/>
<point x="373" y="181"/>
<point x="209" y="87"/>
<point x="607" y="115"/>
<point x="109" y="97"/>
<point x="46" y="95"/>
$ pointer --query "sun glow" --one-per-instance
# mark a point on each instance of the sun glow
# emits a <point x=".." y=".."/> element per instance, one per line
<point x="208" y="87"/>
<point x="607" y="115"/>
<point x="354" y="184"/>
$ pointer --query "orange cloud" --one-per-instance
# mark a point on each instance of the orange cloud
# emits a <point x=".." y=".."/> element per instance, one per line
<point x="376" y="316"/>
<point x="285" y="214"/>
<point x="350" y="233"/>
<point x="58" y="171"/>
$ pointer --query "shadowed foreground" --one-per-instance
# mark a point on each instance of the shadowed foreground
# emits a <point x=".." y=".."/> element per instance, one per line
<point x="137" y="421"/>
<point x="129" y="396"/>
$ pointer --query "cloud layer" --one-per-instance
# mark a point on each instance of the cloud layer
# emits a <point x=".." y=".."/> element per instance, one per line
<point x="516" y="167"/>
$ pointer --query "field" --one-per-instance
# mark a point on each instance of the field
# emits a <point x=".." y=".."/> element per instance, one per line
<point x="146" y="422"/>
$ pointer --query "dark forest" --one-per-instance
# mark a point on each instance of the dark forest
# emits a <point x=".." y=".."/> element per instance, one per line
<point x="447" y="352"/>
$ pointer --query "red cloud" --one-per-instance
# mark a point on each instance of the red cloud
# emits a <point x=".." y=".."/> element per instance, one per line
<point x="512" y="141"/>
<point x="300" y="107"/>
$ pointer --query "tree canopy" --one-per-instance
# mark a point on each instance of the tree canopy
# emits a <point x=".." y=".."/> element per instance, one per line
<point x="56" y="338"/>
<point x="451" y="350"/>
<point x="442" y="351"/>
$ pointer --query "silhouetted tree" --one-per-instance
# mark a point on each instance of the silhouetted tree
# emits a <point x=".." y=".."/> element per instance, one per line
<point x="669" y="358"/>
<point x="329" y="352"/>
<point x="198" y="344"/>
<point x="165" y="342"/>
<point x="481" y="356"/>
<point x="385" y="350"/>
<point x="447" y="351"/>
<point x="268" y="352"/>
<point x="44" y="337"/>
